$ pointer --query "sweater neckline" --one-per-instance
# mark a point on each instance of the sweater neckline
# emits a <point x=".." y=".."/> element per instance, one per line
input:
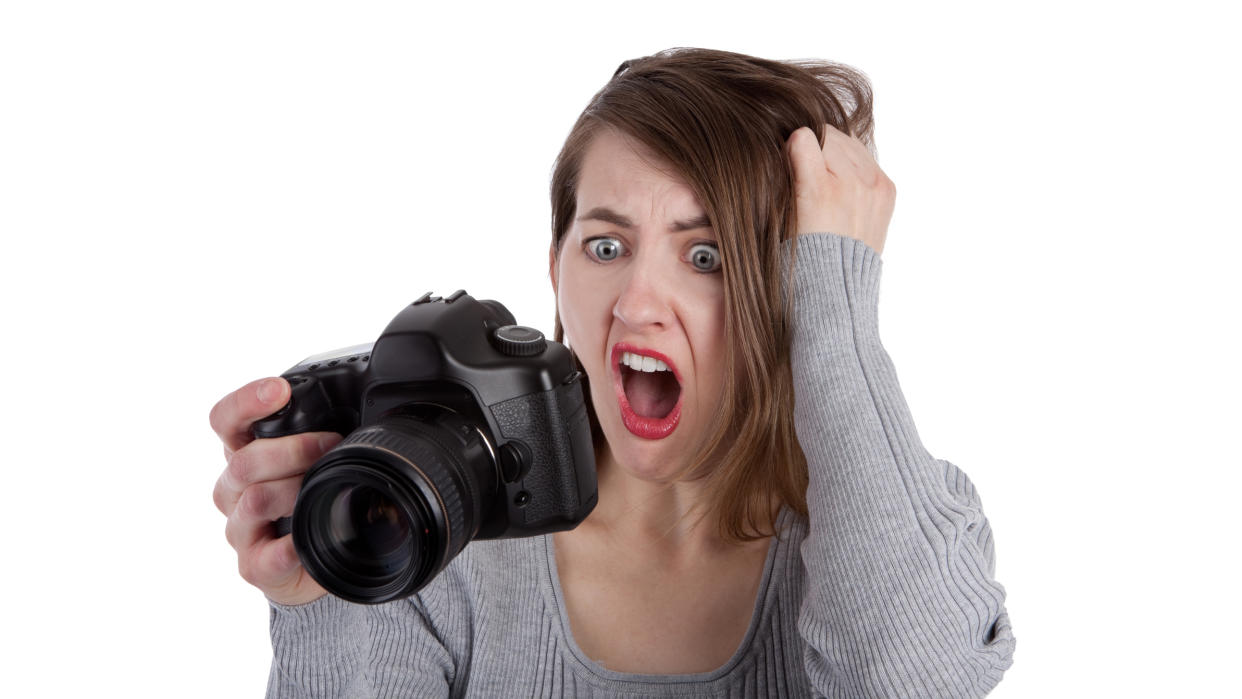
<point x="556" y="609"/>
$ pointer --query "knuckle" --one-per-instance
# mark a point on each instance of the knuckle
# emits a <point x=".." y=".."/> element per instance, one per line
<point x="216" y="416"/>
<point x="247" y="569"/>
<point x="217" y="497"/>
<point x="223" y="414"/>
<point x="254" y="501"/>
<point x="242" y="467"/>
<point x="230" y="535"/>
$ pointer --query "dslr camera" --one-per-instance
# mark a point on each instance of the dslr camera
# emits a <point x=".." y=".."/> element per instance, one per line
<point x="459" y="424"/>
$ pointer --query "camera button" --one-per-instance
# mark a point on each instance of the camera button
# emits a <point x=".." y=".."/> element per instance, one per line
<point x="518" y="341"/>
<point x="513" y="463"/>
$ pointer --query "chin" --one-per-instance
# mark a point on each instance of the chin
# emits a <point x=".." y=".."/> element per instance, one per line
<point x="656" y="461"/>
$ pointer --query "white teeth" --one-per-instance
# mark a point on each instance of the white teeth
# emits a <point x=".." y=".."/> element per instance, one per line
<point x="638" y="362"/>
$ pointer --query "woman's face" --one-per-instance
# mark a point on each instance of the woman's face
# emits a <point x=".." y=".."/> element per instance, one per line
<point x="641" y="300"/>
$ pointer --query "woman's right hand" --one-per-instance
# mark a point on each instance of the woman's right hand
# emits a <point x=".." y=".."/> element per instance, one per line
<point x="260" y="484"/>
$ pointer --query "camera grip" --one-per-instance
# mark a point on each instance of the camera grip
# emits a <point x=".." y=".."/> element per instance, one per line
<point x="555" y="427"/>
<point x="309" y="410"/>
<point x="283" y="526"/>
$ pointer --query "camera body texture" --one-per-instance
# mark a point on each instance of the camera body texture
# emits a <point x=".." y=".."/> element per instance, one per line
<point x="459" y="425"/>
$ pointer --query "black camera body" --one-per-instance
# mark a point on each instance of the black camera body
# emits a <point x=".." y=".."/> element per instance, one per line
<point x="460" y="425"/>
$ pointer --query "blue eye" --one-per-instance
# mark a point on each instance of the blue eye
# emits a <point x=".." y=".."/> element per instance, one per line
<point x="705" y="257"/>
<point x="604" y="249"/>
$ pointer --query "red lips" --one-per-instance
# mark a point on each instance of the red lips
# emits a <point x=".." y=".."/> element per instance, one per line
<point x="645" y="427"/>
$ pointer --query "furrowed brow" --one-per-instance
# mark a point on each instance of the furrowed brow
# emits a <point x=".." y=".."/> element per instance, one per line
<point x="607" y="215"/>
<point x="692" y="224"/>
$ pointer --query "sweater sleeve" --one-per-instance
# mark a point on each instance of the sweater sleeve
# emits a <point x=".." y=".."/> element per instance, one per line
<point x="333" y="648"/>
<point x="900" y="598"/>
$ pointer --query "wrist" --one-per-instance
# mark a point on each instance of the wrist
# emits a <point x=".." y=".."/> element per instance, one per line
<point x="835" y="285"/>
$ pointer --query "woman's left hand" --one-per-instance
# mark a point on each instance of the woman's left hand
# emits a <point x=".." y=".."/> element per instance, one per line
<point x="839" y="188"/>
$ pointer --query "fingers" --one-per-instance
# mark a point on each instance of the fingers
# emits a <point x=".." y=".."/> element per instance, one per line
<point x="232" y="416"/>
<point x="260" y="484"/>
<point x="271" y="564"/>
<point x="836" y="156"/>
<point x="269" y="460"/>
<point x="864" y="166"/>
<point x="264" y="560"/>
<point x="839" y="188"/>
<point x="815" y="187"/>
<point x="810" y="175"/>
<point x="260" y="504"/>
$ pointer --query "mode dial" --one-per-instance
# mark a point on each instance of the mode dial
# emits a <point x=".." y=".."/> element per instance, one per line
<point x="518" y="341"/>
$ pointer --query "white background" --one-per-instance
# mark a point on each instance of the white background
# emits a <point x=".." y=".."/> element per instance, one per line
<point x="193" y="195"/>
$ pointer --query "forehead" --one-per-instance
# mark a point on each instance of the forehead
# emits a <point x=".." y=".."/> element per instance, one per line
<point x="620" y="172"/>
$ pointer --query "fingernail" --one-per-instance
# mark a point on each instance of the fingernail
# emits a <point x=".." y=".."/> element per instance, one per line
<point x="269" y="391"/>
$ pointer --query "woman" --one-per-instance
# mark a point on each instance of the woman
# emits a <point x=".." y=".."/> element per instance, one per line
<point x="768" y="521"/>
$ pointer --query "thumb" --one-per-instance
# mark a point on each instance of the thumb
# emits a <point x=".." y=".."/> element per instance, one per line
<point x="812" y="181"/>
<point x="806" y="155"/>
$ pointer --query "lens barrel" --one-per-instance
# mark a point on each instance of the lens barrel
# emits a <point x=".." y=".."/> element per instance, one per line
<point x="385" y="510"/>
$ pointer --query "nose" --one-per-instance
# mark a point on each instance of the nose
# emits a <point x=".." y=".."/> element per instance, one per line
<point x="644" y="304"/>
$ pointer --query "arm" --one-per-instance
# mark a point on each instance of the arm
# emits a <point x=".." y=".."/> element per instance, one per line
<point x="900" y="598"/>
<point x="334" y="648"/>
<point x="318" y="649"/>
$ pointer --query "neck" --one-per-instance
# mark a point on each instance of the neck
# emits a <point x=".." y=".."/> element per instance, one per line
<point x="664" y="513"/>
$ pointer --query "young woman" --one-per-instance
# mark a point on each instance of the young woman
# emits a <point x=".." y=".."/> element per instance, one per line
<point x="768" y="522"/>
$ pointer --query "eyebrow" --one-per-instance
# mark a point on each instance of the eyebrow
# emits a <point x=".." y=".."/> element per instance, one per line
<point x="607" y="215"/>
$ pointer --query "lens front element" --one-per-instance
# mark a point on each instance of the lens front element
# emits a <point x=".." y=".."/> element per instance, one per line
<point x="386" y="509"/>
<point x="368" y="528"/>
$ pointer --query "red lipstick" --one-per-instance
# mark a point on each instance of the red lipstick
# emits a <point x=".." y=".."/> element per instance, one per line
<point x="645" y="427"/>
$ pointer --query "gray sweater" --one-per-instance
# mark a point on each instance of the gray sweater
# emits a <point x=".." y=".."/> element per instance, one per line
<point x="887" y="590"/>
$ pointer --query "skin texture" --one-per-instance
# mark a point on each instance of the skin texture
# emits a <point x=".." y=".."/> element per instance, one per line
<point x="839" y="187"/>
<point x="650" y="296"/>
<point x="634" y="565"/>
<point x="639" y="553"/>
<point x="646" y="590"/>
<point x="260" y="484"/>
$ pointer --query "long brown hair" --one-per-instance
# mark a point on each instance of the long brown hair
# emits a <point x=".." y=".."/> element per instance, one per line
<point x="720" y="120"/>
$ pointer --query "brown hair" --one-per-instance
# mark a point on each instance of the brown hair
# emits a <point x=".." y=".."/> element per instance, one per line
<point x="720" y="120"/>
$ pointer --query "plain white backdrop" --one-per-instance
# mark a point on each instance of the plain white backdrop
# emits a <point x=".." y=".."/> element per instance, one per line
<point x="194" y="195"/>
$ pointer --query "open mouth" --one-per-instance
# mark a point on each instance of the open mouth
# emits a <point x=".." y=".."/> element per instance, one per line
<point x="648" y="390"/>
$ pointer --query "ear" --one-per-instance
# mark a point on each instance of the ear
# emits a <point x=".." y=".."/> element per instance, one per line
<point x="552" y="266"/>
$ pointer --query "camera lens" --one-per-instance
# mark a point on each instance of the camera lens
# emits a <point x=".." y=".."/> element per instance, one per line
<point x="386" y="509"/>
<point x="369" y="528"/>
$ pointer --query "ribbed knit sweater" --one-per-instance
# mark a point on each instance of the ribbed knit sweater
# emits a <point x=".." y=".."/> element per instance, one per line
<point x="886" y="590"/>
